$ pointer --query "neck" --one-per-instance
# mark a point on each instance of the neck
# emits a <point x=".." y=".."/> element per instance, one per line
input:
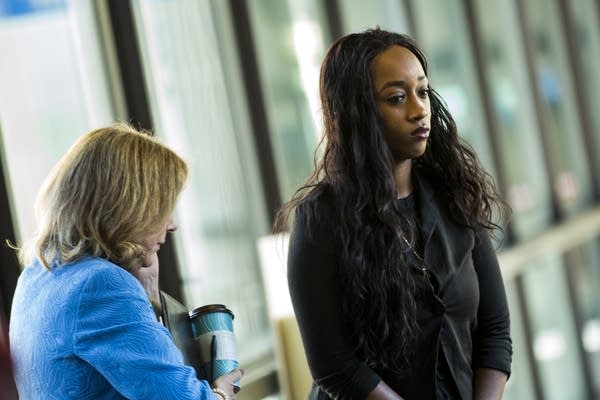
<point x="403" y="178"/>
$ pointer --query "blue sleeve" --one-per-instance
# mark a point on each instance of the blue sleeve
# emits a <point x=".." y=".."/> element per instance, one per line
<point x="118" y="334"/>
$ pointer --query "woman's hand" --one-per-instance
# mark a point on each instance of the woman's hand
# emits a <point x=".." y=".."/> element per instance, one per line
<point x="147" y="274"/>
<point x="225" y="382"/>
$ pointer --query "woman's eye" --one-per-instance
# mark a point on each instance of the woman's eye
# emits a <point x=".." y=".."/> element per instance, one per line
<point x="396" y="98"/>
<point x="425" y="92"/>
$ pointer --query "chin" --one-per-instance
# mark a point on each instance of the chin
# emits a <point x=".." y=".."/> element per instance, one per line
<point x="420" y="151"/>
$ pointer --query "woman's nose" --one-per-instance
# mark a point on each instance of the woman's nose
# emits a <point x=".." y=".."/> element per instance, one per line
<point x="171" y="227"/>
<point x="419" y="109"/>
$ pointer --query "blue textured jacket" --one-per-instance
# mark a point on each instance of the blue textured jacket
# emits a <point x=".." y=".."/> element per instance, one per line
<point x="86" y="330"/>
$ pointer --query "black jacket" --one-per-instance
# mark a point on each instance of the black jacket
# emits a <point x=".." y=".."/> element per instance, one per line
<point x="468" y="323"/>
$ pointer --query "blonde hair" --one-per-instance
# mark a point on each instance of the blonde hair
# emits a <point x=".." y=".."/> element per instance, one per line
<point x="114" y="186"/>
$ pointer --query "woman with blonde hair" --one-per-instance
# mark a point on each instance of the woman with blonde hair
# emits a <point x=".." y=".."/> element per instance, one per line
<point x="82" y="326"/>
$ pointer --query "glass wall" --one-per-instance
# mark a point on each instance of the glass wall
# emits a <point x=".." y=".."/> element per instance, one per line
<point x="555" y="341"/>
<point x="290" y="39"/>
<point x="54" y="88"/>
<point x="452" y="70"/>
<point x="584" y="264"/>
<point x="521" y="149"/>
<point x="357" y="15"/>
<point x="562" y="128"/>
<point x="520" y="386"/>
<point x="196" y="97"/>
<point x="586" y="34"/>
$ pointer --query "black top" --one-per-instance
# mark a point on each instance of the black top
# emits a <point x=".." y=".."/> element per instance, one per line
<point x="464" y="321"/>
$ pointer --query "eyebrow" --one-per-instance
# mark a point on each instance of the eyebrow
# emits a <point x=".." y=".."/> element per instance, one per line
<point x="399" y="83"/>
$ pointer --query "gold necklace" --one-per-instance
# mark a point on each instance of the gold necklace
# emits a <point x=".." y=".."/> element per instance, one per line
<point x="424" y="268"/>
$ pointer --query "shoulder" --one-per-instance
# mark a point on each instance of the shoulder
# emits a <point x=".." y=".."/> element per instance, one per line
<point x="101" y="279"/>
<point x="108" y="292"/>
<point x="316" y="214"/>
<point x="315" y="226"/>
<point x="319" y="205"/>
<point x="98" y="271"/>
<point x="71" y="279"/>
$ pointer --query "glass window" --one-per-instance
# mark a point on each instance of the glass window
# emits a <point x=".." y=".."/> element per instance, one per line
<point x="54" y="88"/>
<point x="521" y="149"/>
<point x="584" y="264"/>
<point x="290" y="44"/>
<point x="452" y="71"/>
<point x="358" y="15"/>
<point x="196" y="97"/>
<point x="587" y="36"/>
<point x="520" y="384"/>
<point x="568" y="160"/>
<point x="555" y="341"/>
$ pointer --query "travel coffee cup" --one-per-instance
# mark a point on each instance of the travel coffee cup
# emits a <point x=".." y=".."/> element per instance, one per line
<point x="212" y="327"/>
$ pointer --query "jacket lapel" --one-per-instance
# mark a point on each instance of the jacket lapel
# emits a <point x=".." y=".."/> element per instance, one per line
<point x="446" y="244"/>
<point x="429" y="213"/>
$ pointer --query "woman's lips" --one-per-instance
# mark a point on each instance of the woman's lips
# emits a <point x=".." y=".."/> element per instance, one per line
<point x="422" y="133"/>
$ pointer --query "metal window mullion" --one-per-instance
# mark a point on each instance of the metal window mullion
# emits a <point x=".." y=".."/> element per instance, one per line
<point x="9" y="266"/>
<point x="256" y="102"/>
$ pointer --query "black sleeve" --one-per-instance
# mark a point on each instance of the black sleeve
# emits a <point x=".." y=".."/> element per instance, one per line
<point x="492" y="342"/>
<point x="312" y="266"/>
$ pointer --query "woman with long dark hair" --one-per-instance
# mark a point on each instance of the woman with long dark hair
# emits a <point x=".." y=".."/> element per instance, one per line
<point x="393" y="276"/>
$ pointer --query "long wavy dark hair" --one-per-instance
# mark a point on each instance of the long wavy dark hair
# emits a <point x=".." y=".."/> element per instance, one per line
<point x="354" y="170"/>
